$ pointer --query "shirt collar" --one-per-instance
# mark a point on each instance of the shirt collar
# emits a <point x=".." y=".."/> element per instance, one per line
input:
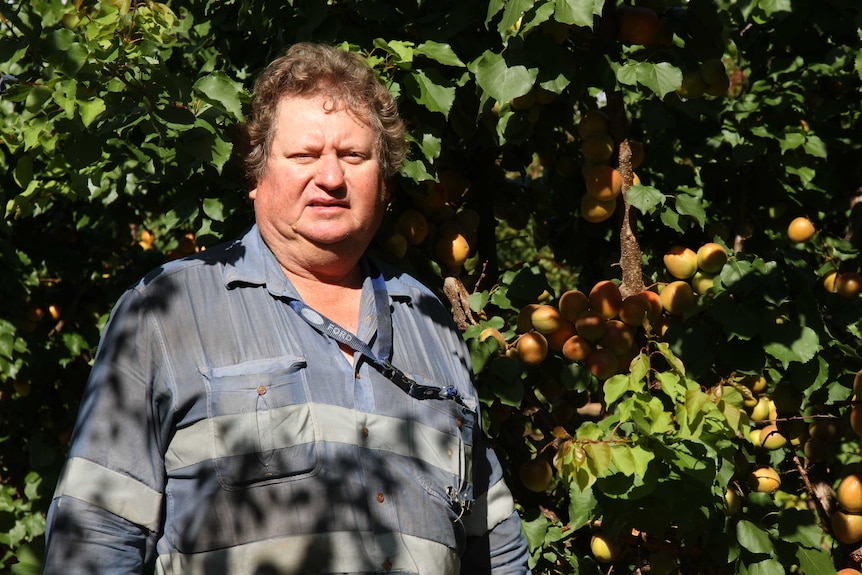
<point x="254" y="264"/>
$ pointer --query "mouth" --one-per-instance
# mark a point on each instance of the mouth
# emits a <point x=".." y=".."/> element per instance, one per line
<point x="327" y="204"/>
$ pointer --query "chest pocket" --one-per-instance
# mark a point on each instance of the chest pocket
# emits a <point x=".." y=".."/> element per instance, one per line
<point x="263" y="428"/>
<point x="444" y="437"/>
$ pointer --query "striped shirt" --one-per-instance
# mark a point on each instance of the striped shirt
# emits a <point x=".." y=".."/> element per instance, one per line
<point x="221" y="433"/>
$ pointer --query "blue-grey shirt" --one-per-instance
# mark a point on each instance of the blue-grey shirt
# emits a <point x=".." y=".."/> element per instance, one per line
<point x="221" y="433"/>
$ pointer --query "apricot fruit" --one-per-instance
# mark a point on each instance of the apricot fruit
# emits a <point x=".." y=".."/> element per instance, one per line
<point x="638" y="154"/>
<point x="493" y="333"/>
<point x="702" y="282"/>
<point x="602" y="363"/>
<point x="849" y="571"/>
<point x="396" y="245"/>
<point x="598" y="148"/>
<point x="556" y="339"/>
<point x="656" y="308"/>
<point x="604" y="549"/>
<point x="771" y="438"/>
<point x="848" y="284"/>
<point x="411" y="224"/>
<point x="680" y="262"/>
<point x="846" y="527"/>
<point x="577" y="348"/>
<point x="593" y="122"/>
<point x="856" y="419"/>
<point x="714" y="74"/>
<point x="849" y="493"/>
<point x="596" y="211"/>
<point x="800" y="230"/>
<point x="532" y="348"/>
<point x="637" y="25"/>
<point x="524" y="321"/>
<point x="546" y="319"/>
<point x="591" y="325"/>
<point x="452" y="249"/>
<point x="711" y="257"/>
<point x="604" y="183"/>
<point x="619" y="338"/>
<point x="634" y="310"/>
<point x="677" y="298"/>
<point x="732" y="501"/>
<point x="536" y="475"/>
<point x="764" y="480"/>
<point x="605" y="298"/>
<point x="693" y="85"/>
<point x="572" y="304"/>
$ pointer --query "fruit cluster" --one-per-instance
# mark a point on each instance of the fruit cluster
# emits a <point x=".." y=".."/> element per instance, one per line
<point x="603" y="181"/>
<point x="601" y="329"/>
<point x="448" y="234"/>
<point x="693" y="272"/>
<point x="710" y="78"/>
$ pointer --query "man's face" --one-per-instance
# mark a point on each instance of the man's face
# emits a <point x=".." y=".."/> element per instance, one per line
<point x="322" y="190"/>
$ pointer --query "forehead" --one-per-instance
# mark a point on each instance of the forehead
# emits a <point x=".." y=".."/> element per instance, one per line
<point x="322" y="108"/>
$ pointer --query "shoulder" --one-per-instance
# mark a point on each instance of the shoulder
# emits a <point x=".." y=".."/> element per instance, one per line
<point x="210" y="263"/>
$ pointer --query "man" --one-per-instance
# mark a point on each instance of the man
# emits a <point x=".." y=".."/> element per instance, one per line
<point x="283" y="403"/>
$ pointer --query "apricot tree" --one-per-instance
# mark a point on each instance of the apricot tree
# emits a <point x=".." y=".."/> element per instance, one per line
<point x="645" y="216"/>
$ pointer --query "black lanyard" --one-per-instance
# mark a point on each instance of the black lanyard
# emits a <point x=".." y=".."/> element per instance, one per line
<point x="384" y="339"/>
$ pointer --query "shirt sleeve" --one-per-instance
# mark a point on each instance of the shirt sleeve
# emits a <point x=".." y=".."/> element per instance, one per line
<point x="495" y="542"/>
<point x="106" y="512"/>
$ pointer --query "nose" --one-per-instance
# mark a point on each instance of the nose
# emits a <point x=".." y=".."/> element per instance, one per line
<point x="330" y="172"/>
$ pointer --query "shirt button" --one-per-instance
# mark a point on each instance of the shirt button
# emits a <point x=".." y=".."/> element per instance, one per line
<point x="457" y="422"/>
<point x="387" y="564"/>
<point x="449" y="452"/>
<point x="380" y="498"/>
<point x="364" y="432"/>
<point x="261" y="389"/>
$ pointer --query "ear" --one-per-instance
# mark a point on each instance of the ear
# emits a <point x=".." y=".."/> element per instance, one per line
<point x="252" y="194"/>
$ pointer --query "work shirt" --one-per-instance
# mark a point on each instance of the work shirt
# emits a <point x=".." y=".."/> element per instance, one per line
<point x="221" y="433"/>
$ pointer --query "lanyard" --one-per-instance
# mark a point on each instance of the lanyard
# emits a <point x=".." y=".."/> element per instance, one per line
<point x="384" y="337"/>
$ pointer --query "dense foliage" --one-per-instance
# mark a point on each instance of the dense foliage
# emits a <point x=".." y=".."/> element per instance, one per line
<point x="119" y="151"/>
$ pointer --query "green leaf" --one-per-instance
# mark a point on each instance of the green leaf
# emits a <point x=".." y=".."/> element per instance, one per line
<point x="582" y="504"/>
<point x="661" y="78"/>
<point x="767" y="567"/>
<point x="632" y="460"/>
<point x="695" y="401"/>
<point x="534" y="530"/>
<point x="221" y="92"/>
<point x="770" y="7"/>
<point x="90" y="109"/>
<point x="416" y="170"/>
<point x="577" y="12"/>
<point x="403" y="51"/>
<point x="788" y="343"/>
<point x="816" y="147"/>
<point x="514" y="11"/>
<point x="791" y="141"/>
<point x="615" y="387"/>
<point x="598" y="456"/>
<point x="638" y="369"/>
<point x="814" y="561"/>
<point x="442" y="53"/>
<point x="499" y="79"/>
<point x="752" y="537"/>
<point x="645" y="198"/>
<point x="687" y="205"/>
<point x="429" y="90"/>
<point x="671" y="385"/>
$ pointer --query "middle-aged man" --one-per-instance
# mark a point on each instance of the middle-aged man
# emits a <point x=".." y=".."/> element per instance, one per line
<point x="284" y="403"/>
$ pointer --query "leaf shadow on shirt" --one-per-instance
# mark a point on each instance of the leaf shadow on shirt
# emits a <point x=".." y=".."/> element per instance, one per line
<point x="343" y="492"/>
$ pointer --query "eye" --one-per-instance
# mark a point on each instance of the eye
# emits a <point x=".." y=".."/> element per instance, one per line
<point x="354" y="157"/>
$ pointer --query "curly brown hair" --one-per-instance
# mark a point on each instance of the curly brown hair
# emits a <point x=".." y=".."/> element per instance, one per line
<point x="310" y="69"/>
